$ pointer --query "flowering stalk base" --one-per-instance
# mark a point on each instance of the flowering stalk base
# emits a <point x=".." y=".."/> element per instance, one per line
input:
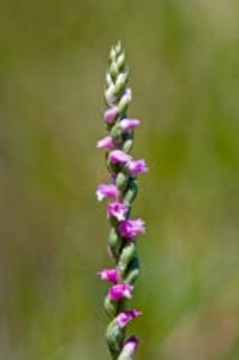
<point x="121" y="190"/>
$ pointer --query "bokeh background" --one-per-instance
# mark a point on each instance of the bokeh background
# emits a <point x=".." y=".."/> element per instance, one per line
<point x="184" y="61"/>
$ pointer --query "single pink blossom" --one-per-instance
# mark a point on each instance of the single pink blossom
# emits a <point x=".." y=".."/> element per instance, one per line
<point x="120" y="291"/>
<point x="126" y="316"/>
<point x="106" y="143"/>
<point x="131" y="228"/>
<point x="106" y="190"/>
<point x="117" y="210"/>
<point x="137" y="166"/>
<point x="127" y="96"/>
<point x="111" y="114"/>
<point x="111" y="275"/>
<point x="129" y="348"/>
<point x="119" y="156"/>
<point x="129" y="124"/>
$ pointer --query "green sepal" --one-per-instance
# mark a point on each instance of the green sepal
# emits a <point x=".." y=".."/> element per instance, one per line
<point x="132" y="271"/>
<point x="113" y="71"/>
<point x="132" y="277"/>
<point x="121" y="61"/>
<point x="131" y="192"/>
<point x="123" y="105"/>
<point x="116" y="131"/>
<point x="120" y="83"/>
<point x="126" y="256"/>
<point x="111" y="307"/>
<point x="118" y="48"/>
<point x="114" y="239"/>
<point x="128" y="144"/>
<point x="112" y="55"/>
<point x="122" y="181"/>
<point x="114" y="337"/>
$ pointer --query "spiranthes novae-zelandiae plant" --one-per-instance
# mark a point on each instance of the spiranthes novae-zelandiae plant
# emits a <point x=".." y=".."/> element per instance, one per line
<point x="121" y="192"/>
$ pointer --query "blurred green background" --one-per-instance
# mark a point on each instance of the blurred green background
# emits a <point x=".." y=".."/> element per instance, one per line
<point x="184" y="61"/>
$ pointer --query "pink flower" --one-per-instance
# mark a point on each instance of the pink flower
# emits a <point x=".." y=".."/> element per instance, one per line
<point x="111" y="275"/>
<point x="106" y="190"/>
<point x="120" y="291"/>
<point x="117" y="210"/>
<point x="110" y="115"/>
<point x="137" y="166"/>
<point x="131" y="228"/>
<point x="127" y="96"/>
<point x="126" y="316"/>
<point x="129" y="124"/>
<point x="129" y="348"/>
<point x="119" y="156"/>
<point x="106" y="143"/>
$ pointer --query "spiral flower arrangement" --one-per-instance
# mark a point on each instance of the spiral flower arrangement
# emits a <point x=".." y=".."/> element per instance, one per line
<point x="121" y="192"/>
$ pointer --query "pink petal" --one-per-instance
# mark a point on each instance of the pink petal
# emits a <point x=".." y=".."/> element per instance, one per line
<point x="110" y="115"/>
<point x="120" y="291"/>
<point x="129" y="348"/>
<point x="111" y="275"/>
<point x="137" y="166"/>
<point x="126" y="316"/>
<point x="129" y="124"/>
<point x="106" y="190"/>
<point x="119" y="156"/>
<point x="106" y="143"/>
<point x="117" y="210"/>
<point x="131" y="228"/>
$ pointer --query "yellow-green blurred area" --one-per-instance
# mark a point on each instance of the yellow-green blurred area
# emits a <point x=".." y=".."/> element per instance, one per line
<point x="184" y="72"/>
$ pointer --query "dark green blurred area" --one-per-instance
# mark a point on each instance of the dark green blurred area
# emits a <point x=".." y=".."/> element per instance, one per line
<point x="184" y="61"/>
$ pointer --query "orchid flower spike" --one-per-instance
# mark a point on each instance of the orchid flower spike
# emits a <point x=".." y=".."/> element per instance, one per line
<point x="120" y="192"/>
